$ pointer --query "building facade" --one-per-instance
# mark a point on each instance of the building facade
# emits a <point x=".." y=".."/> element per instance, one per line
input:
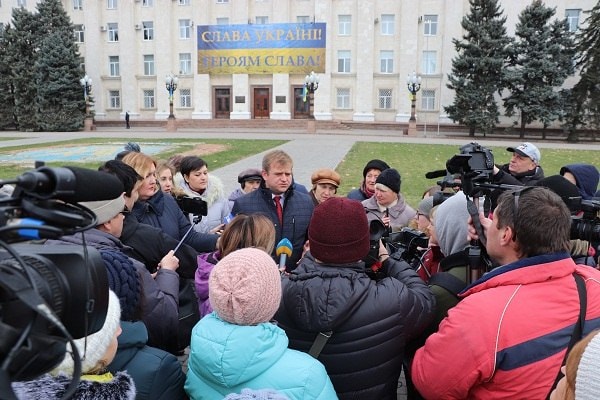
<point x="369" y="49"/>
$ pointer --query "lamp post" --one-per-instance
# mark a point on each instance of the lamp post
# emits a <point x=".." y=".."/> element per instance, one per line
<point x="413" y="83"/>
<point x="86" y="83"/>
<point x="311" y="83"/>
<point x="171" y="85"/>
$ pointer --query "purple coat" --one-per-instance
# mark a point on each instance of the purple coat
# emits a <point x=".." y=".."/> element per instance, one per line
<point x="206" y="263"/>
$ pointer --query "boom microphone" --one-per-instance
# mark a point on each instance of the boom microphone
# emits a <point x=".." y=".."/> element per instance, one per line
<point x="436" y="174"/>
<point x="283" y="250"/>
<point x="69" y="184"/>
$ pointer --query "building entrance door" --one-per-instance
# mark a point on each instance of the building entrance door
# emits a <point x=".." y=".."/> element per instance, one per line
<point x="301" y="107"/>
<point x="261" y="103"/>
<point x="222" y="103"/>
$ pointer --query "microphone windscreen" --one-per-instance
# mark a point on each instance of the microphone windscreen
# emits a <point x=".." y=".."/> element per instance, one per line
<point x="92" y="185"/>
<point x="436" y="174"/>
<point x="284" y="247"/>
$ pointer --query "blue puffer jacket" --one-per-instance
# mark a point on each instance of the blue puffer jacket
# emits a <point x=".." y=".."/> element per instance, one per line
<point x="157" y="374"/>
<point x="162" y="211"/>
<point x="297" y="211"/>
<point x="226" y="358"/>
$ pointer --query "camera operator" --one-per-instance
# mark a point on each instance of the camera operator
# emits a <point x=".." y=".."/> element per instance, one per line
<point x="584" y="176"/>
<point x="509" y="334"/>
<point x="357" y="327"/>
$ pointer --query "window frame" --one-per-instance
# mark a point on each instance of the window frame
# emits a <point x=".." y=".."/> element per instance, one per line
<point x="79" y="33"/>
<point x="571" y="18"/>
<point x="429" y="62"/>
<point x="344" y="61"/>
<point x="430" y="24"/>
<point x="185" y="29"/>
<point x="77" y="5"/>
<point x="344" y="26"/>
<point x="114" y="101"/>
<point x="388" y="24"/>
<point x="185" y="98"/>
<point x="385" y="100"/>
<point x="185" y="66"/>
<point x="113" y="31"/>
<point x="428" y="99"/>
<point x="342" y="100"/>
<point x="149" y="99"/>
<point x="114" y="66"/>
<point x="149" y="65"/>
<point x="112" y="4"/>
<point x="148" y="31"/>
<point x="386" y="61"/>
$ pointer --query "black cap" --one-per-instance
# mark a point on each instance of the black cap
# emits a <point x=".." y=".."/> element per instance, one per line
<point x="390" y="178"/>
<point x="250" y="174"/>
<point x="375" y="164"/>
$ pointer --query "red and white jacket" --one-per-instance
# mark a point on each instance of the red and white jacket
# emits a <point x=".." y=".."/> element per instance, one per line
<point x="507" y="338"/>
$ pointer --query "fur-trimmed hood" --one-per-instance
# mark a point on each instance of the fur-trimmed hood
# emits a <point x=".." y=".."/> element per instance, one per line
<point x="214" y="192"/>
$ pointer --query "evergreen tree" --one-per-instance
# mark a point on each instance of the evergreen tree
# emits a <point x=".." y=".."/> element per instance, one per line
<point x="478" y="66"/>
<point x="540" y="61"/>
<point x="584" y="99"/>
<point x="21" y="54"/>
<point x="7" y="111"/>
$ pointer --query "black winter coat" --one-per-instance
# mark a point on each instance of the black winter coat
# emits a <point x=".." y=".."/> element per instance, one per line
<point x="297" y="211"/>
<point x="149" y="245"/>
<point x="371" y="321"/>
<point x="162" y="211"/>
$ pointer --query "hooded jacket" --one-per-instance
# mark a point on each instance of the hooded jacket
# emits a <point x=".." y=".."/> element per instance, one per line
<point x="586" y="178"/>
<point x="217" y="203"/>
<point x="162" y="211"/>
<point x="371" y="321"/>
<point x="297" y="211"/>
<point x="159" y="295"/>
<point x="508" y="336"/>
<point x="206" y="263"/>
<point x="226" y="358"/>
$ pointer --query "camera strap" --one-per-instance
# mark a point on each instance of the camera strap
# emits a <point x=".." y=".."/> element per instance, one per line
<point x="578" y="329"/>
<point x="319" y="343"/>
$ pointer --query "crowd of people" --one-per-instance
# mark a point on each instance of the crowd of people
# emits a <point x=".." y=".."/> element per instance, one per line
<point x="499" y="303"/>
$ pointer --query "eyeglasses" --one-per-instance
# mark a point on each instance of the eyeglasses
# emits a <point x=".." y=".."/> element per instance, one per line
<point x="516" y="194"/>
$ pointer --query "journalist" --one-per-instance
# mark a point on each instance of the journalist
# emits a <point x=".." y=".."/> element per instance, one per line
<point x="357" y="327"/>
<point x="524" y="166"/>
<point x="508" y="336"/>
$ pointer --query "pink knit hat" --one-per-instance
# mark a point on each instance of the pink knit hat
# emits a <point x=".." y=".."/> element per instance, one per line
<point x="245" y="287"/>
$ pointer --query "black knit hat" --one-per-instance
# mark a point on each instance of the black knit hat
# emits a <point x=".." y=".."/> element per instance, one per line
<point x="375" y="164"/>
<point x="565" y="189"/>
<point x="390" y="178"/>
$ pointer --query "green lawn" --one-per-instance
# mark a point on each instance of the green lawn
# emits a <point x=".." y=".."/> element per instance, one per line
<point x="412" y="160"/>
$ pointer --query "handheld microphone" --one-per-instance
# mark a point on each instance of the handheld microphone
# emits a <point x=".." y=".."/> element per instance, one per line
<point x="69" y="184"/>
<point x="283" y="250"/>
<point x="436" y="174"/>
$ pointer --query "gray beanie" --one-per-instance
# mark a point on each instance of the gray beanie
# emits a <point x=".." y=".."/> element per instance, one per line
<point x="425" y="206"/>
<point x="587" y="384"/>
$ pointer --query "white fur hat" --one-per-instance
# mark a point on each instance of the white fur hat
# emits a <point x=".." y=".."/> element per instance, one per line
<point x="97" y="343"/>
<point x="587" y="385"/>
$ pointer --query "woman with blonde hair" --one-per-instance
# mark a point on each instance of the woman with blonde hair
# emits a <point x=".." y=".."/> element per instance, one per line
<point x="156" y="208"/>
<point x="164" y="177"/>
<point x="255" y="230"/>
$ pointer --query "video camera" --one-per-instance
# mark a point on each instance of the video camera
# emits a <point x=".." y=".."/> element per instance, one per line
<point x="587" y="227"/>
<point x="49" y="295"/>
<point x="475" y="164"/>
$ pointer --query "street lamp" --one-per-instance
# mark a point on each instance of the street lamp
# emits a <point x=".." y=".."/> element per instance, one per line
<point x="171" y="85"/>
<point x="311" y="84"/>
<point x="86" y="82"/>
<point x="413" y="82"/>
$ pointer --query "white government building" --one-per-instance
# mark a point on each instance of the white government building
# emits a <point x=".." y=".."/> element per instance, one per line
<point x="248" y="59"/>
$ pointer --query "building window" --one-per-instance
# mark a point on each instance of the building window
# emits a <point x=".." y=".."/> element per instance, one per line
<point x="388" y="24"/>
<point x="77" y="4"/>
<point x="430" y="25"/>
<point x="114" y="99"/>
<point x="344" y="25"/>
<point x="386" y="58"/>
<point x="21" y="3"/>
<point x="343" y="61"/>
<point x="572" y="16"/>
<point x="113" y="66"/>
<point x="79" y="34"/>
<point x="147" y="3"/>
<point x="303" y="19"/>
<point x="185" y="98"/>
<point x="113" y="32"/>
<point x="222" y="1"/>
<point x="342" y="98"/>
<point x="223" y="21"/>
<point x="385" y="98"/>
<point x="111" y="4"/>
<point x="149" y="64"/>
<point x="185" y="29"/>
<point x="184" y="2"/>
<point x="149" y="98"/>
<point x="261" y="20"/>
<point x="148" y="30"/>
<point x="185" y="63"/>
<point x="428" y="99"/>
<point x="429" y="66"/>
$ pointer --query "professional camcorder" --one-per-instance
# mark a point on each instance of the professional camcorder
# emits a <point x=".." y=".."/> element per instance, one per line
<point x="49" y="295"/>
<point x="587" y="226"/>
